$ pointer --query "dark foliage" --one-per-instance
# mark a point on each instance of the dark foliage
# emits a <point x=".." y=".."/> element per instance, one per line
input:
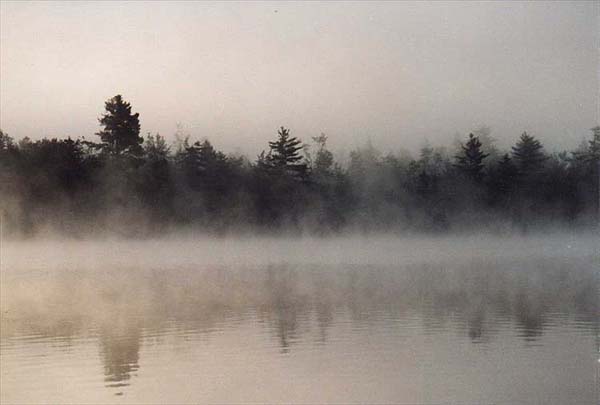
<point x="121" y="128"/>
<point x="135" y="186"/>
<point x="528" y="154"/>
<point x="284" y="156"/>
<point x="470" y="161"/>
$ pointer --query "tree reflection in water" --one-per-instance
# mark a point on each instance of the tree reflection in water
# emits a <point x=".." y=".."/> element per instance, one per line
<point x="124" y="305"/>
<point x="120" y="351"/>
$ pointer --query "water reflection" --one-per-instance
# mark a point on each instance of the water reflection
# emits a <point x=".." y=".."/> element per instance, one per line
<point x="296" y="304"/>
<point x="120" y="351"/>
<point x="286" y="297"/>
<point x="476" y="322"/>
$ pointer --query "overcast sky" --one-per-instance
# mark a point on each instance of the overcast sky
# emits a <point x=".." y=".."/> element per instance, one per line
<point x="395" y="73"/>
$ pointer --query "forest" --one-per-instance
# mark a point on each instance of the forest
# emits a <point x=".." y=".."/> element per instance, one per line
<point x="125" y="184"/>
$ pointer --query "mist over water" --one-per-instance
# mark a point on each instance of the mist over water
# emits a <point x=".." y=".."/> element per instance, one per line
<point x="368" y="202"/>
<point x="473" y="319"/>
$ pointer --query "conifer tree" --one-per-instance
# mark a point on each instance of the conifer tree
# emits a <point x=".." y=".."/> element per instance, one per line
<point x="470" y="162"/>
<point x="284" y="154"/>
<point x="528" y="155"/>
<point x="121" y="131"/>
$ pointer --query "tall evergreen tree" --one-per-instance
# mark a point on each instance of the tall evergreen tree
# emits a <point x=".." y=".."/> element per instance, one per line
<point x="121" y="131"/>
<point x="284" y="154"/>
<point x="279" y="181"/>
<point x="470" y="162"/>
<point x="529" y="159"/>
<point x="528" y="155"/>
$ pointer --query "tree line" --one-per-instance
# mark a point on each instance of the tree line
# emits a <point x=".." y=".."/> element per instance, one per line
<point x="133" y="185"/>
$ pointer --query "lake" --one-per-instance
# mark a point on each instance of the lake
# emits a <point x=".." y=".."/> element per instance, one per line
<point x="474" y="319"/>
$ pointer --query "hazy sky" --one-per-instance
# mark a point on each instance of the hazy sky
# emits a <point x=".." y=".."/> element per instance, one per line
<point x="396" y="73"/>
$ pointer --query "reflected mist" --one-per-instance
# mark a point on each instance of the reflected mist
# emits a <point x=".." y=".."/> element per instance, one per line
<point x="197" y="326"/>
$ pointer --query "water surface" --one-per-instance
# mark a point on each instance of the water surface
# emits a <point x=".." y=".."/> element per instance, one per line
<point x="381" y="320"/>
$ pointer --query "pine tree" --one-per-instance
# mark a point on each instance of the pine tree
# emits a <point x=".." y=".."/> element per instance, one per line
<point x="529" y="159"/>
<point x="528" y="155"/>
<point x="470" y="162"/>
<point x="121" y="133"/>
<point x="284" y="154"/>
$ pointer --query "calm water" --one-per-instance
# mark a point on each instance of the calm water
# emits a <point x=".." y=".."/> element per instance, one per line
<point x="374" y="320"/>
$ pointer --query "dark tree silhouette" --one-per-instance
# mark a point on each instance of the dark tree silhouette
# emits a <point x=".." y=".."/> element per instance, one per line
<point x="121" y="131"/>
<point x="11" y="181"/>
<point x="530" y="161"/>
<point x="284" y="154"/>
<point x="211" y="163"/>
<point x="134" y="187"/>
<point x="505" y="175"/>
<point x="588" y="181"/>
<point x="280" y="182"/>
<point x="215" y="175"/>
<point x="157" y="188"/>
<point x="470" y="161"/>
<point x="330" y="195"/>
<point x="204" y="167"/>
<point x="528" y="155"/>
<point x="212" y="183"/>
<point x="188" y="162"/>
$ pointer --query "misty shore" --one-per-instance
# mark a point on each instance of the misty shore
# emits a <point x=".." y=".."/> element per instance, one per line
<point x="199" y="251"/>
